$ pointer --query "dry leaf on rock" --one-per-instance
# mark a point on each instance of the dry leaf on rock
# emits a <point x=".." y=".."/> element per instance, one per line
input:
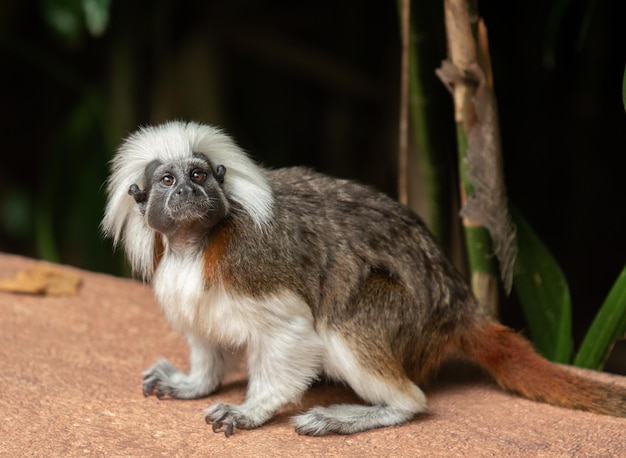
<point x="45" y="279"/>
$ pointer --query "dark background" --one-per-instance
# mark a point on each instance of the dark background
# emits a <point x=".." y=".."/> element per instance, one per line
<point x="313" y="83"/>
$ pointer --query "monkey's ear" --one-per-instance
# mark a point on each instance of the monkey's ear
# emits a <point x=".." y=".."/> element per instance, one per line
<point x="140" y="196"/>
<point x="219" y="173"/>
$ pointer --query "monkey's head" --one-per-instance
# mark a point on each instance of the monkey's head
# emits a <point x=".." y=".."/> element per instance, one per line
<point x="185" y="196"/>
<point x="175" y="178"/>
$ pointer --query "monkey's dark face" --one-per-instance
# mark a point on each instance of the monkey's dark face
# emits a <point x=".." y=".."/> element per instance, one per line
<point x="185" y="195"/>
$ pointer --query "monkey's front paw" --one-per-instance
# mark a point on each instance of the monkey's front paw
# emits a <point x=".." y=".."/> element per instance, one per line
<point x="226" y="417"/>
<point x="157" y="379"/>
<point x="162" y="379"/>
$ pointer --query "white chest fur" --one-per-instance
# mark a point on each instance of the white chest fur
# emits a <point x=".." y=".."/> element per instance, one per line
<point x="223" y="316"/>
<point x="179" y="287"/>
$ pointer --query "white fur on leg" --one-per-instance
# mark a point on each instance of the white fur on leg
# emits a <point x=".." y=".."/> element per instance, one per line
<point x="342" y="364"/>
<point x="283" y="359"/>
<point x="394" y="401"/>
<point x="205" y="373"/>
<point x="348" y="419"/>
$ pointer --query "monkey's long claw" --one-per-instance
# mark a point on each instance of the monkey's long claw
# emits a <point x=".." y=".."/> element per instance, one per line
<point x="216" y="424"/>
<point x="228" y="431"/>
<point x="148" y="387"/>
<point x="225" y="417"/>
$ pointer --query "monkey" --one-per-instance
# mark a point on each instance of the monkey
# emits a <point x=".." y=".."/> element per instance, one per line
<point x="316" y="277"/>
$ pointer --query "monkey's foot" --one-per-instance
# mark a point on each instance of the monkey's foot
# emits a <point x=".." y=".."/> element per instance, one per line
<point x="225" y="417"/>
<point x="347" y="419"/>
<point x="162" y="379"/>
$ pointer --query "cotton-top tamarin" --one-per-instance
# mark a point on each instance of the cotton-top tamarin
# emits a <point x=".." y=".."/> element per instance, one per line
<point x="316" y="277"/>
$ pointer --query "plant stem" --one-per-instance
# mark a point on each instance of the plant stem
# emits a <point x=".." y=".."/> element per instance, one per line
<point x="405" y="22"/>
<point x="462" y="51"/>
<point x="419" y="53"/>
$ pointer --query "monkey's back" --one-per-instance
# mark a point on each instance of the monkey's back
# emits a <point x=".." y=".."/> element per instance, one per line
<point x="329" y="237"/>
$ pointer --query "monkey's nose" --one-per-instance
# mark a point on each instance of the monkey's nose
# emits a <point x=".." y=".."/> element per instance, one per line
<point x="183" y="194"/>
<point x="185" y="191"/>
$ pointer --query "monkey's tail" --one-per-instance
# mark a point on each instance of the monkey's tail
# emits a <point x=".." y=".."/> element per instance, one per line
<point x="515" y="365"/>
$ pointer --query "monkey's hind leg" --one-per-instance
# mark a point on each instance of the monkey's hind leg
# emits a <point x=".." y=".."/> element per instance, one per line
<point x="365" y="347"/>
<point x="376" y="378"/>
<point x="163" y="379"/>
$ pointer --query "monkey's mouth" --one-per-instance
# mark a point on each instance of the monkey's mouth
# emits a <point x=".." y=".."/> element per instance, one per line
<point x="191" y="209"/>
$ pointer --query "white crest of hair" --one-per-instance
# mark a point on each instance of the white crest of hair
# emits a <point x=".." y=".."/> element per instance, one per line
<point x="245" y="182"/>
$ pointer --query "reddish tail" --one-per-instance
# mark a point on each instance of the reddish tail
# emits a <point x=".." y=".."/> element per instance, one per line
<point x="515" y="365"/>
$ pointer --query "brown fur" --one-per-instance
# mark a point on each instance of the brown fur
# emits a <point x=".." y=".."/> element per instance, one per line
<point x="159" y="249"/>
<point x="214" y="251"/>
<point x="515" y="365"/>
<point x="391" y="347"/>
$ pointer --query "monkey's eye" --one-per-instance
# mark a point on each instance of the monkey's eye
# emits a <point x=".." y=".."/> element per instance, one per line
<point x="198" y="176"/>
<point x="167" y="180"/>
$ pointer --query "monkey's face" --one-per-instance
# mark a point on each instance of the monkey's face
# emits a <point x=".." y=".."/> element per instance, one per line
<point x="182" y="196"/>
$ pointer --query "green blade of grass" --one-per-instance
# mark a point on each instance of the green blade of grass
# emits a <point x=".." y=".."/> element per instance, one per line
<point x="624" y="89"/>
<point x="543" y="293"/>
<point x="608" y="325"/>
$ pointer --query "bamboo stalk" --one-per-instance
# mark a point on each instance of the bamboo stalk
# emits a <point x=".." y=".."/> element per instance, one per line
<point x="403" y="156"/>
<point x="461" y="27"/>
<point x="419" y="118"/>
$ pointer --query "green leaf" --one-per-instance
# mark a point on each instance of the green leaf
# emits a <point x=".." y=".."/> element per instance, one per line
<point x="96" y="15"/>
<point x="64" y="17"/>
<point x="543" y="293"/>
<point x="624" y="89"/>
<point x="608" y="325"/>
<point x="68" y="18"/>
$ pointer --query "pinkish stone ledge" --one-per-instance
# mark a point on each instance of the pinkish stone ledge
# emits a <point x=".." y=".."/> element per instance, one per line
<point x="70" y="383"/>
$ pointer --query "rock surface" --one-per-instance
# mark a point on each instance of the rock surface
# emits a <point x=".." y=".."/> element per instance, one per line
<point x="70" y="385"/>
